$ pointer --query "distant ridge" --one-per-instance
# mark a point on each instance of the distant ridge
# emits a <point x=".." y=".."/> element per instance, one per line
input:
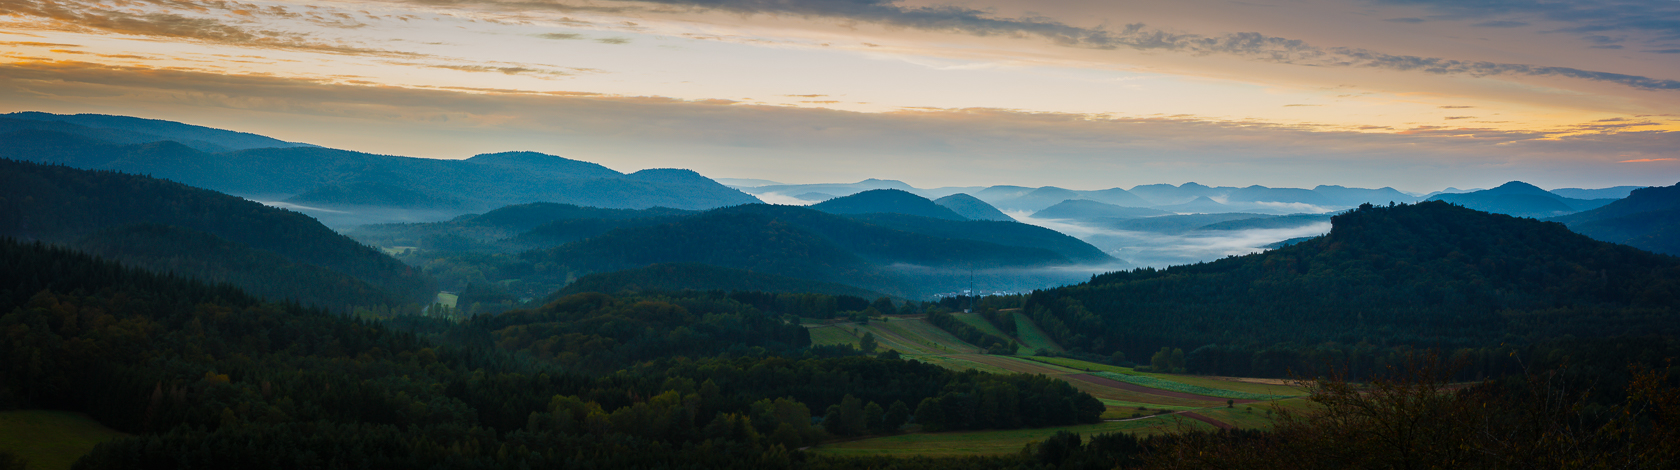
<point x="133" y="130"/>
<point x="972" y="208"/>
<point x="326" y="177"/>
<point x="887" y="201"/>
<point x="1519" y="199"/>
<point x="1087" y="209"/>
<point x="1649" y="219"/>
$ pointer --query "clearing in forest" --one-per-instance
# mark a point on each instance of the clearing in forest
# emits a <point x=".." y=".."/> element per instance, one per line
<point x="51" y="439"/>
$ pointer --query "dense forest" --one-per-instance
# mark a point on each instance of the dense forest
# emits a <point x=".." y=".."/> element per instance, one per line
<point x="63" y="205"/>
<point x="1384" y="281"/>
<point x="696" y="380"/>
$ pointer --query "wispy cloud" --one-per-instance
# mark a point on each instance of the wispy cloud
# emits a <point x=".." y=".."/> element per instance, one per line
<point x="1649" y="160"/>
<point x="970" y="145"/>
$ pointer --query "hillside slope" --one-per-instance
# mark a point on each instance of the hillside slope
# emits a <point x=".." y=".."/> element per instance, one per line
<point x="1425" y="275"/>
<point x="1649" y="219"/>
<point x="62" y="204"/>
<point x="886" y="201"/>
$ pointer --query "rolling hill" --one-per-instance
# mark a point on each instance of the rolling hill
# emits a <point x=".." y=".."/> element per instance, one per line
<point x="1520" y="199"/>
<point x="1647" y="219"/>
<point x="61" y="204"/>
<point x="886" y="201"/>
<point x="872" y="251"/>
<point x="1081" y="209"/>
<point x="673" y="277"/>
<point x="330" y="177"/>
<point x="972" y="208"/>
<point x="1424" y="275"/>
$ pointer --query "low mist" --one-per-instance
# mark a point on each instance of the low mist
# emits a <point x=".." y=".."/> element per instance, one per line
<point x="1159" y="250"/>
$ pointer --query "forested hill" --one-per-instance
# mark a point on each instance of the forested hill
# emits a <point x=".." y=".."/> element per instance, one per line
<point x="62" y="205"/>
<point x="808" y="244"/>
<point x="887" y="201"/>
<point x="684" y="276"/>
<point x="208" y="376"/>
<point x="1426" y="275"/>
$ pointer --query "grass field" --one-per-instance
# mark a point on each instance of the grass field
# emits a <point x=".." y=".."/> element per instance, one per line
<point x="1209" y="382"/>
<point x="1032" y="338"/>
<point x="831" y="335"/>
<point x="948" y="444"/>
<point x="885" y="337"/>
<point x="980" y="323"/>
<point x="447" y="299"/>
<point x="51" y="440"/>
<point x="1080" y="365"/>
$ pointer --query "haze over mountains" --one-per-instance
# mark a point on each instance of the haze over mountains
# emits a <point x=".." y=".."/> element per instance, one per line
<point x="343" y="187"/>
<point x="547" y="220"/>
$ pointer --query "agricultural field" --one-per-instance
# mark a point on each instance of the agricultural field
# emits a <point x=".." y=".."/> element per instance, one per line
<point x="51" y="440"/>
<point x="1137" y="402"/>
<point x="965" y="443"/>
<point x="980" y="323"/>
<point x="1033" y="339"/>
<point x="931" y="336"/>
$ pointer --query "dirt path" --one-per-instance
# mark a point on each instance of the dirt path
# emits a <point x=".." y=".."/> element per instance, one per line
<point x="1111" y="383"/>
<point x="1198" y="417"/>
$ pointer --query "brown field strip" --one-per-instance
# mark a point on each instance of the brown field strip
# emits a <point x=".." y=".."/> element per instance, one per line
<point x="1111" y="383"/>
<point x="1015" y="365"/>
<point x="1107" y="393"/>
<point x="1215" y="422"/>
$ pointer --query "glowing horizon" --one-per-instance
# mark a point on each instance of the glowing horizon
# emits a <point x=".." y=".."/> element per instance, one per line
<point x="1415" y="94"/>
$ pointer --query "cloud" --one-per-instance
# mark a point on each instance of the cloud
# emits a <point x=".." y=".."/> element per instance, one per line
<point x="1406" y="20"/>
<point x="560" y="36"/>
<point x="1660" y="18"/>
<point x="1649" y="160"/>
<point x="930" y="147"/>
<point x="1500" y="24"/>
<point x="613" y="41"/>
<point x="1455" y="107"/>
<point x="99" y="17"/>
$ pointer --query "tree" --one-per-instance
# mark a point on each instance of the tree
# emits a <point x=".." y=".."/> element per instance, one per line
<point x="874" y="418"/>
<point x="897" y="415"/>
<point x="885" y="306"/>
<point x="867" y="344"/>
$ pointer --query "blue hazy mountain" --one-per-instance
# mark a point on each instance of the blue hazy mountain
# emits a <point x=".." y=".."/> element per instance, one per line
<point x="331" y="177"/>
<point x="1617" y="192"/>
<point x="972" y="208"/>
<point x="1520" y="199"/>
<point x="1082" y="209"/>
<point x="1649" y="219"/>
<point x="886" y="201"/>
<point x="133" y="130"/>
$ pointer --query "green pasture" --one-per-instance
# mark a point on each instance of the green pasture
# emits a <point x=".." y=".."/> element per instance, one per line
<point x="1033" y="339"/>
<point x="979" y="322"/>
<point x="51" y="440"/>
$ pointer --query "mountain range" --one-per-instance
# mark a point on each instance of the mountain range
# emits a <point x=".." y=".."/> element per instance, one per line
<point x="1649" y="219"/>
<point x="314" y="178"/>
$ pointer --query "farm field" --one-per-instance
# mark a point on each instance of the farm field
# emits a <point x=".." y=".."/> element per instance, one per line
<point x="1165" y="396"/>
<point x="51" y="440"/>
<point x="918" y="328"/>
<point x="1032" y="338"/>
<point x="980" y="323"/>
<point x="962" y="443"/>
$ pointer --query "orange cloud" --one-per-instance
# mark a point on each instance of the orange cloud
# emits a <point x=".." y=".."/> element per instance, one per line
<point x="1649" y="160"/>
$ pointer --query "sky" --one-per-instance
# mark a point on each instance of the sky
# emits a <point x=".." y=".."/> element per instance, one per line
<point x="1417" y="95"/>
